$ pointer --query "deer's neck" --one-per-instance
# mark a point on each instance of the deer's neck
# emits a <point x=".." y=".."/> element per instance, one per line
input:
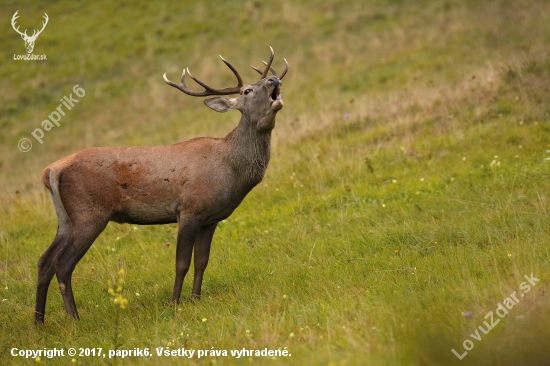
<point x="249" y="152"/>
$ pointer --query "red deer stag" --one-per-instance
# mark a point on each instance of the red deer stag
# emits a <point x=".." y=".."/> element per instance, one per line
<point x="196" y="184"/>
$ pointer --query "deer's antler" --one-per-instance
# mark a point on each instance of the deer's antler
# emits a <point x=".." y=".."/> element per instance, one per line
<point x="208" y="90"/>
<point x="268" y="67"/>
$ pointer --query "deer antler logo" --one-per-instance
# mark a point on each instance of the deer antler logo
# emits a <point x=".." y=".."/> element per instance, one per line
<point x="29" y="40"/>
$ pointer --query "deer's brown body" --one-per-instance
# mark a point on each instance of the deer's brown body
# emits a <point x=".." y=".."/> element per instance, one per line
<point x="195" y="183"/>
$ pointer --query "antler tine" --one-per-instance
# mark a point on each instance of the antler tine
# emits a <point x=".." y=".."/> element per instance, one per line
<point x="270" y="68"/>
<point x="273" y="70"/>
<point x="257" y="70"/>
<point x="239" y="80"/>
<point x="268" y="65"/>
<point x="285" y="70"/>
<point x="181" y="87"/>
<point x="208" y="90"/>
<point x="206" y="87"/>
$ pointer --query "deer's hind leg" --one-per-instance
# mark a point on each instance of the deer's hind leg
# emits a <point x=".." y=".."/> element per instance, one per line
<point x="87" y="207"/>
<point x="46" y="268"/>
<point x="82" y="237"/>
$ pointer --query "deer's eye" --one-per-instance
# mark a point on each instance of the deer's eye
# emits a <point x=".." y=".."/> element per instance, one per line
<point x="247" y="91"/>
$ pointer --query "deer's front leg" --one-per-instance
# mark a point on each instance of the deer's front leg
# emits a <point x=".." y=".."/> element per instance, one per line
<point x="187" y="232"/>
<point x="202" y="253"/>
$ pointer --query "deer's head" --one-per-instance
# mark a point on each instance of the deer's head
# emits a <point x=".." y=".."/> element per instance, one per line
<point x="29" y="40"/>
<point x="259" y="102"/>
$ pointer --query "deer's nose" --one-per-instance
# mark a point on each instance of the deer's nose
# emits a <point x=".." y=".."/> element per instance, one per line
<point x="274" y="81"/>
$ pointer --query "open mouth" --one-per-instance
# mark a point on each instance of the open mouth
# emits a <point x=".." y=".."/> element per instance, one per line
<point x="275" y="94"/>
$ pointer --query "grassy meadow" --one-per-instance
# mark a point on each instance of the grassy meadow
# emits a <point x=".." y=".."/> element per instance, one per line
<point x="408" y="192"/>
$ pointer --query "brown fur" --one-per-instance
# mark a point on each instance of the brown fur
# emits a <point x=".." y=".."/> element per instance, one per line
<point x="195" y="183"/>
<point x="46" y="178"/>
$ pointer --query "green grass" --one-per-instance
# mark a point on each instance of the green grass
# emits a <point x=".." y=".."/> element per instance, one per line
<point x="408" y="183"/>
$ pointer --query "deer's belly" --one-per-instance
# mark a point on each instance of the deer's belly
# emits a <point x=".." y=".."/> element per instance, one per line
<point x="146" y="214"/>
<point x="210" y="208"/>
<point x="208" y="205"/>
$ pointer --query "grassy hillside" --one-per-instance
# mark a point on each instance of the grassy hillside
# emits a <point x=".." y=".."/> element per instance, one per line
<point x="407" y="195"/>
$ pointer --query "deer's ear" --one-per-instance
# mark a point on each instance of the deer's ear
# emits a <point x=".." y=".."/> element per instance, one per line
<point x="221" y="104"/>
